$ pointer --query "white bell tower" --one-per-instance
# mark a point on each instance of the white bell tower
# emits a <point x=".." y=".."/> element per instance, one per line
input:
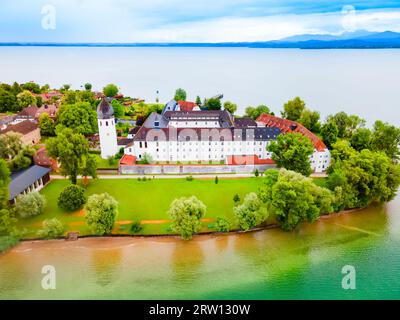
<point x="107" y="131"/>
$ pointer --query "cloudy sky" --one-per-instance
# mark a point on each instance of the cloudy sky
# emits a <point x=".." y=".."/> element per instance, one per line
<point x="188" y="20"/>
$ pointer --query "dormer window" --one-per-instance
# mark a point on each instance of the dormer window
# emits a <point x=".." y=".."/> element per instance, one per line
<point x="156" y="123"/>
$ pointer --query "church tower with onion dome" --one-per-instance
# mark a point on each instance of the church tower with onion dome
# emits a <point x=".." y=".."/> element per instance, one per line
<point x="107" y="131"/>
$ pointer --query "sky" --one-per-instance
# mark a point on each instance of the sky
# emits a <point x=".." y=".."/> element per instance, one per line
<point x="127" y="21"/>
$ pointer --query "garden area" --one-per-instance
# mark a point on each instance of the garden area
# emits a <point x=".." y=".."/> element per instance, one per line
<point x="145" y="201"/>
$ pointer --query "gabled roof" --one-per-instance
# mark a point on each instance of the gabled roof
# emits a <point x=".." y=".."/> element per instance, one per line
<point x="29" y="112"/>
<point x="23" y="127"/>
<point x="127" y="160"/>
<point x="155" y="117"/>
<point x="287" y="126"/>
<point x="187" y="105"/>
<point x="23" y="179"/>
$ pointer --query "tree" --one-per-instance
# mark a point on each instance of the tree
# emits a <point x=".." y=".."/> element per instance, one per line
<point x="292" y="151"/>
<point x="222" y="224"/>
<point x="386" y="138"/>
<point x="79" y="116"/>
<point x="46" y="125"/>
<point x="32" y="87"/>
<point x="4" y="182"/>
<point x="22" y="160"/>
<point x="17" y="155"/>
<point x="26" y="99"/>
<point x="216" y="180"/>
<point x="101" y="211"/>
<point x="66" y="87"/>
<point x="364" y="177"/>
<point x="230" y="106"/>
<point x="250" y="213"/>
<point x="30" y="205"/>
<point x="90" y="168"/>
<point x="361" y="139"/>
<point x="329" y="133"/>
<point x="213" y="104"/>
<point x="180" y="94"/>
<point x="294" y="198"/>
<point x="88" y="87"/>
<point x="346" y="124"/>
<point x="310" y="119"/>
<point x="119" y="109"/>
<point x="236" y="198"/>
<point x="71" y="198"/>
<point x="71" y="150"/>
<point x="254" y="113"/>
<point x="8" y="101"/>
<point x="52" y="228"/>
<point x="110" y="90"/>
<point x="342" y="150"/>
<point x="293" y="109"/>
<point x="256" y="173"/>
<point x="198" y="101"/>
<point x="186" y="214"/>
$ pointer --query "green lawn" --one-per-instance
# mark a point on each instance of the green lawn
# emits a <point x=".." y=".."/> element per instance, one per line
<point x="104" y="163"/>
<point x="146" y="200"/>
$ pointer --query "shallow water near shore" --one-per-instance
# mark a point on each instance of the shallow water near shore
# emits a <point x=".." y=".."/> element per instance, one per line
<point x="269" y="264"/>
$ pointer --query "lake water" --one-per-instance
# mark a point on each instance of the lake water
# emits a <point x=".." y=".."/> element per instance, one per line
<point x="364" y="82"/>
<point x="270" y="264"/>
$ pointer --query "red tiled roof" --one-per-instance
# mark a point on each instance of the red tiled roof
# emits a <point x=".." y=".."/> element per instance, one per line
<point x="127" y="160"/>
<point x="287" y="126"/>
<point x="29" y="111"/>
<point x="42" y="159"/>
<point x="250" y="159"/>
<point x="186" y="105"/>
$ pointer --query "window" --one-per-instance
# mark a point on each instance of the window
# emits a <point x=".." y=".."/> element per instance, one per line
<point x="140" y="145"/>
<point x="145" y="144"/>
<point x="106" y="123"/>
<point x="156" y="123"/>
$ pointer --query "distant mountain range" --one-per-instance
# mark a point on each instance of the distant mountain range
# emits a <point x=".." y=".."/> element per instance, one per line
<point x="347" y="40"/>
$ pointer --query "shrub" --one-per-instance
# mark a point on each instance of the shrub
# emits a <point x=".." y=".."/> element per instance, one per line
<point x="236" y="198"/>
<point x="222" y="225"/>
<point x="136" y="227"/>
<point x="30" y="205"/>
<point x="111" y="160"/>
<point x="72" y="198"/>
<point x="256" y="173"/>
<point x="52" y="228"/>
<point x="216" y="180"/>
<point x="189" y="178"/>
<point x="251" y="213"/>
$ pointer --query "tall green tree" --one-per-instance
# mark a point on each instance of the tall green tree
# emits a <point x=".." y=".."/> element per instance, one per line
<point x="293" y="109"/>
<point x="88" y="86"/>
<point x="198" y="101"/>
<point x="180" y="94"/>
<point x="310" y="119"/>
<point x="361" y="139"/>
<point x="386" y="138"/>
<point x="79" y="116"/>
<point x="230" y="106"/>
<point x="255" y="112"/>
<point x="46" y="125"/>
<point x="250" y="213"/>
<point x="292" y="151"/>
<point x="101" y="211"/>
<point x="110" y="90"/>
<point x="329" y="133"/>
<point x="294" y="198"/>
<point x="186" y="214"/>
<point x="213" y="104"/>
<point x="119" y="109"/>
<point x="4" y="182"/>
<point x="346" y="124"/>
<point x="26" y="99"/>
<point x="8" y="101"/>
<point x="71" y="150"/>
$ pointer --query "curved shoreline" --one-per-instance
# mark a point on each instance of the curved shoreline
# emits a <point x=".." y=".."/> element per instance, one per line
<point x="196" y="235"/>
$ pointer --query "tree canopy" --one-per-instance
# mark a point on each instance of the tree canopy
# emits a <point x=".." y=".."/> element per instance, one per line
<point x="250" y="213"/>
<point x="386" y="138"/>
<point x="230" y="106"/>
<point x="79" y="116"/>
<point x="292" y="151"/>
<point x="110" y="90"/>
<point x="26" y="99"/>
<point x="293" y="109"/>
<point x="310" y="119"/>
<point x="46" y="125"/>
<point x="186" y="214"/>
<point x="180" y="94"/>
<point x="4" y="182"/>
<point x="255" y="112"/>
<point x="294" y="198"/>
<point x="101" y="211"/>
<point x="72" y="152"/>
<point x="213" y="104"/>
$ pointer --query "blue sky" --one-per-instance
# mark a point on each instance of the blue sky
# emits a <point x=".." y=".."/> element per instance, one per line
<point x="188" y="20"/>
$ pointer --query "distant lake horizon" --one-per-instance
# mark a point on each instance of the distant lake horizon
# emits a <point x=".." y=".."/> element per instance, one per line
<point x="357" y="81"/>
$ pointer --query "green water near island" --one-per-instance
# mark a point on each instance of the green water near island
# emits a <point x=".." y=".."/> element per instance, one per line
<point x="270" y="264"/>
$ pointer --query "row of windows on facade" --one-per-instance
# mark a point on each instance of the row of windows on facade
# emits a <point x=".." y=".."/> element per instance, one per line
<point x="209" y="150"/>
<point x="112" y="123"/>
<point x="141" y="144"/>
<point x="197" y="157"/>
